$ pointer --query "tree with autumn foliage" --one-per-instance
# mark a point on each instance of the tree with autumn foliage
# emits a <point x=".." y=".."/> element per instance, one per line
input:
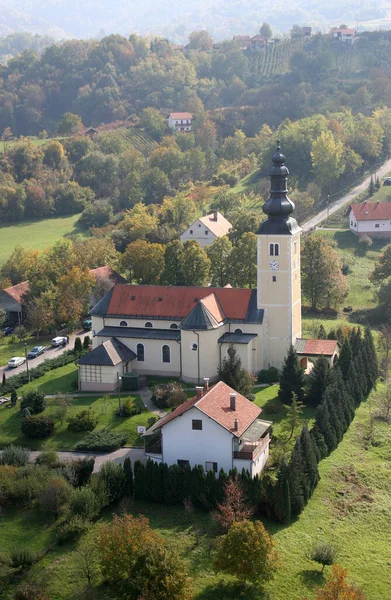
<point x="337" y="587"/>
<point x="136" y="562"/>
<point x="247" y="552"/>
<point x="235" y="506"/>
<point x="72" y="295"/>
<point x="323" y="282"/>
<point x="144" y="261"/>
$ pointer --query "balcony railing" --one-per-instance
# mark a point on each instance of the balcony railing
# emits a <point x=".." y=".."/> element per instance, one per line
<point x="251" y="451"/>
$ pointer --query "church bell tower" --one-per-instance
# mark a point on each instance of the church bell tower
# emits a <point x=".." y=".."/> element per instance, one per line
<point x="278" y="269"/>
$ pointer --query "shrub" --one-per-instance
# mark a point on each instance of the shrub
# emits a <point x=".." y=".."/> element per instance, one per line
<point x="37" y="426"/>
<point x="23" y="557"/>
<point x="82" y="470"/>
<point x="86" y="342"/>
<point x="15" y="455"/>
<point x="29" y="482"/>
<point x="14" y="397"/>
<point x="104" y="440"/>
<point x="113" y="477"/>
<point x="169" y="394"/>
<point x="84" y="503"/>
<point x="49" y="458"/>
<point x="72" y="529"/>
<point x="34" y="400"/>
<point x="84" y="420"/>
<point x="78" y="347"/>
<point x="365" y="241"/>
<point x="323" y="553"/>
<point x="7" y="480"/>
<point x="54" y="496"/>
<point x="32" y="590"/>
<point x="128" y="409"/>
<point x="268" y="375"/>
<point x="272" y="408"/>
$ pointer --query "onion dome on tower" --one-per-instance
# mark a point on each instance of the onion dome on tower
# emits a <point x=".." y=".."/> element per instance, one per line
<point x="278" y="207"/>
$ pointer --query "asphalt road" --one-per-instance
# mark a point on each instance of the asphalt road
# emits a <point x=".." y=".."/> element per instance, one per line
<point x="346" y="199"/>
<point x="49" y="353"/>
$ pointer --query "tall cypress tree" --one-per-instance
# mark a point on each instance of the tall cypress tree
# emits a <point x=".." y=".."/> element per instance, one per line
<point x="309" y="459"/>
<point x="128" y="476"/>
<point x="354" y="384"/>
<point x="318" y="381"/>
<point x="291" y="378"/>
<point x="282" y="502"/>
<point x="345" y="358"/>
<point x="323" y="425"/>
<point x="335" y="418"/>
<point x="322" y="335"/>
<point x="355" y="340"/>
<point x="361" y="375"/>
<point x="372" y="357"/>
<point x="296" y="477"/>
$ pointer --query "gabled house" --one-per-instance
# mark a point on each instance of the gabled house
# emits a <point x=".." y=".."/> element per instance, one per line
<point x="218" y="429"/>
<point x="347" y="36"/>
<point x="206" y="229"/>
<point x="311" y="350"/>
<point x="371" y="218"/>
<point x="12" y="300"/>
<point x="180" y="121"/>
<point x="106" y="278"/>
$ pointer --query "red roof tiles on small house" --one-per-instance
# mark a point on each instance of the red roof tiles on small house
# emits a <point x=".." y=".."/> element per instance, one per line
<point x="108" y="273"/>
<point x="180" y="115"/>
<point x="18" y="291"/>
<point x="316" y="347"/>
<point x="371" y="211"/>
<point x="175" y="301"/>
<point x="215" y="403"/>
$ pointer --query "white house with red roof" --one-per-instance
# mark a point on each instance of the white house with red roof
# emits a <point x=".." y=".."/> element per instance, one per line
<point x="311" y="350"/>
<point x="12" y="300"/>
<point x="345" y="35"/>
<point x="218" y="429"/>
<point x="180" y="121"/>
<point x="371" y="218"/>
<point x="206" y="229"/>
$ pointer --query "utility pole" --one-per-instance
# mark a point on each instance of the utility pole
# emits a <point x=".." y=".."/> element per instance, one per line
<point x="119" y="393"/>
<point x="328" y="207"/>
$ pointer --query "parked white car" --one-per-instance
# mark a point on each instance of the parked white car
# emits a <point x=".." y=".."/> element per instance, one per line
<point x="58" y="341"/>
<point x="16" y="361"/>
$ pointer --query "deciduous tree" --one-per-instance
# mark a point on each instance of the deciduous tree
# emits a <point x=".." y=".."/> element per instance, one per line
<point x="194" y="264"/>
<point x="219" y="254"/>
<point x="144" y="261"/>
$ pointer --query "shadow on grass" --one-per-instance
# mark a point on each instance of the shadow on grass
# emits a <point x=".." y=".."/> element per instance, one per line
<point x="312" y="578"/>
<point x="231" y="591"/>
<point x="66" y="383"/>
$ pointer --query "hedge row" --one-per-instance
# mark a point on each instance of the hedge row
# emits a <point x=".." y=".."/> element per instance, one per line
<point x="16" y="381"/>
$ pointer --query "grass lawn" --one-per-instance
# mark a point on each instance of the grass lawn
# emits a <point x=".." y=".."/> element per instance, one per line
<point x="36" y="235"/>
<point x="361" y="292"/>
<point x="153" y="380"/>
<point x="350" y="507"/>
<point x="63" y="439"/>
<point x="11" y="346"/>
<point x="63" y="379"/>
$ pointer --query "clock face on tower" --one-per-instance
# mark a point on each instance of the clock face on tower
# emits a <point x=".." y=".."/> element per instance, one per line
<point x="274" y="265"/>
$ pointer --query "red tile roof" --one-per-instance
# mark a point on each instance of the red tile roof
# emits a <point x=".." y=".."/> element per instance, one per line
<point x="371" y="211"/>
<point x="18" y="291"/>
<point x="344" y="31"/>
<point x="174" y="301"/>
<point x="212" y="305"/>
<point x="108" y="273"/>
<point x="219" y="226"/>
<point x="181" y="115"/>
<point x="216" y="404"/>
<point x="317" y="347"/>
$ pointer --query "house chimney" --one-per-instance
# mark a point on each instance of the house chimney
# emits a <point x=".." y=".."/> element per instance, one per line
<point x="199" y="392"/>
<point x="206" y="383"/>
<point x="236" y="425"/>
<point x="232" y="401"/>
<point x="215" y="215"/>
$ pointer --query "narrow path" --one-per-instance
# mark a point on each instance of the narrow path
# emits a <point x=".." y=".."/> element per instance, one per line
<point x="146" y="397"/>
<point x="118" y="456"/>
<point x="346" y="199"/>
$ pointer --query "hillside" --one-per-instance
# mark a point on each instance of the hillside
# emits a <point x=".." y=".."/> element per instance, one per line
<point x="69" y="19"/>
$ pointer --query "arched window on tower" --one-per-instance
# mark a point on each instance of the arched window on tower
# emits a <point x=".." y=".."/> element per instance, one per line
<point x="276" y="249"/>
<point x="271" y="249"/>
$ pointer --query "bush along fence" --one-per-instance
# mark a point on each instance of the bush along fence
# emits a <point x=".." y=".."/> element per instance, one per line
<point x="284" y="496"/>
<point x="16" y="381"/>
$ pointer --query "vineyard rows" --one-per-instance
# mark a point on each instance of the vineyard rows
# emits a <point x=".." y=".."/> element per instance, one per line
<point x="274" y="59"/>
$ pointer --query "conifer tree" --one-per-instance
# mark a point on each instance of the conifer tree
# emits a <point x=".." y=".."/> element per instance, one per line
<point x="234" y="375"/>
<point x="371" y="187"/>
<point x="361" y="375"/>
<point x="282" y="502"/>
<point x="377" y="183"/>
<point x="128" y="476"/>
<point x="323" y="425"/>
<point x="355" y="341"/>
<point x="320" y="442"/>
<point x="293" y="416"/>
<point x="332" y="335"/>
<point x="335" y="414"/>
<point x="345" y="358"/>
<point x="291" y="379"/>
<point x="298" y="491"/>
<point x="318" y="381"/>
<point x="309" y="459"/>
<point x="322" y="335"/>
<point x="372" y="356"/>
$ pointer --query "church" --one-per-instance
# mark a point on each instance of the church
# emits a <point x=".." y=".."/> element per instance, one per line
<point x="186" y="331"/>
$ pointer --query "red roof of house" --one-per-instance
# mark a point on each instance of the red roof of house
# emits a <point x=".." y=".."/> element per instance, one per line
<point x="316" y="347"/>
<point x="372" y="211"/>
<point x="181" y="115"/>
<point x="18" y="291"/>
<point x="108" y="273"/>
<point x="176" y="301"/>
<point x="216" y="404"/>
<point x="344" y="31"/>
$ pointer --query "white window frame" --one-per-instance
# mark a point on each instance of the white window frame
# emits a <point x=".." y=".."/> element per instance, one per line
<point x="169" y="354"/>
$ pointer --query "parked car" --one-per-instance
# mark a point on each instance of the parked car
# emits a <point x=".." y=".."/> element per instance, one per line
<point x="16" y="361"/>
<point x="59" y="341"/>
<point x="8" y="330"/>
<point x="36" y="351"/>
<point x="87" y="324"/>
<point x="387" y="181"/>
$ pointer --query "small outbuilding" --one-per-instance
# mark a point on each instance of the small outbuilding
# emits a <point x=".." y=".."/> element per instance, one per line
<point x="310" y="350"/>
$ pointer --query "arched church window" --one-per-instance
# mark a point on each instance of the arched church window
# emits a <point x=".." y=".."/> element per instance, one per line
<point x="148" y="324"/>
<point x="140" y="352"/>
<point x="276" y="249"/>
<point x="173" y="326"/>
<point x="271" y="249"/>
<point x="166" y="354"/>
<point x="238" y="331"/>
<point x="123" y="324"/>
